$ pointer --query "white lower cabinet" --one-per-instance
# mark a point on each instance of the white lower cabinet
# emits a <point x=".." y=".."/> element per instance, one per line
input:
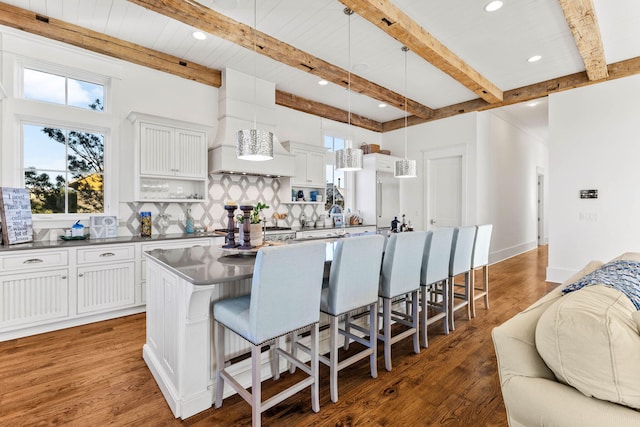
<point x="105" y="287"/>
<point x="28" y="298"/>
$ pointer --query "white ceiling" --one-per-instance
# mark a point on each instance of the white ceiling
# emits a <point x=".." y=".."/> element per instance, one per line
<point x="496" y="44"/>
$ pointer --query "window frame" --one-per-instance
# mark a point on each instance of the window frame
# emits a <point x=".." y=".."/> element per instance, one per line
<point x="48" y="114"/>
<point x="67" y="73"/>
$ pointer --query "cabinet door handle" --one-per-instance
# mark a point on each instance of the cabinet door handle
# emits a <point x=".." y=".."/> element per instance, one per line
<point x="106" y="254"/>
<point x="80" y="275"/>
<point x="33" y="261"/>
<point x="63" y="277"/>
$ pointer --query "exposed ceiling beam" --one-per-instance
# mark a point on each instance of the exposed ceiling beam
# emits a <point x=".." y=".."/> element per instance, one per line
<point x="618" y="70"/>
<point x="196" y="15"/>
<point x="31" y="22"/>
<point x="582" y="20"/>
<point x="299" y="103"/>
<point x="386" y="16"/>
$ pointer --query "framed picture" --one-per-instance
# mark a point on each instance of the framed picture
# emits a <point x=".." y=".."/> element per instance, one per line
<point x="337" y="221"/>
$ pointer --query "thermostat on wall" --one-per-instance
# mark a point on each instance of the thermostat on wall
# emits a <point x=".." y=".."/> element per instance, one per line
<point x="588" y="194"/>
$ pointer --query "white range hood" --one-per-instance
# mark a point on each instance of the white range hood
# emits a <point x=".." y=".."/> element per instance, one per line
<point x="241" y="98"/>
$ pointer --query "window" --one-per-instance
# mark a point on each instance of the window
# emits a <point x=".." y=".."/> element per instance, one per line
<point x="63" y="164"/>
<point x="57" y="89"/>
<point x="63" y="169"/>
<point x="335" y="179"/>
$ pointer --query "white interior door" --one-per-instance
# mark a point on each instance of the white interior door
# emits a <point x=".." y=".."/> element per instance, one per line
<point x="444" y="192"/>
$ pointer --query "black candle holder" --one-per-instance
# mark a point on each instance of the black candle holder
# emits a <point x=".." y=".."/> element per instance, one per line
<point x="231" y="239"/>
<point x="246" y="229"/>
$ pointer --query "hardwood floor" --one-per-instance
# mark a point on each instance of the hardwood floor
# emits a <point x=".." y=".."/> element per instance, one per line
<point x="94" y="374"/>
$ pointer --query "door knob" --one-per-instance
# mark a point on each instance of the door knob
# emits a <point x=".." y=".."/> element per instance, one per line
<point x="433" y="221"/>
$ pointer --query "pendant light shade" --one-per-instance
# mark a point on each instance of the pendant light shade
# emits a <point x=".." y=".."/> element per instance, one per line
<point x="405" y="168"/>
<point x="349" y="159"/>
<point x="254" y="144"/>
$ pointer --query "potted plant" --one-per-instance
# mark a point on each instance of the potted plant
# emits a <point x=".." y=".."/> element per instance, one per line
<point x="255" y="226"/>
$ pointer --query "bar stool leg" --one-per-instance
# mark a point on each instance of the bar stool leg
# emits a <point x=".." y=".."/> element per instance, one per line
<point x="485" y="270"/>
<point x="219" y="331"/>
<point x="414" y="321"/>
<point x="424" y="290"/>
<point x="275" y="359"/>
<point x="294" y="351"/>
<point x="472" y="290"/>
<point x="333" y="358"/>
<point x="373" y="339"/>
<point x="347" y="329"/>
<point x="256" y="391"/>
<point x="315" y="369"/>
<point x="386" y="330"/>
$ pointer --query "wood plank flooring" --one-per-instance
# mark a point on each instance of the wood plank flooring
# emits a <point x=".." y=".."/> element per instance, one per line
<point x="94" y="375"/>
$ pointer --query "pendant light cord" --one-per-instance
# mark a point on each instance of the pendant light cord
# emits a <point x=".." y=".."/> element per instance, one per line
<point x="349" y="12"/>
<point x="255" y="66"/>
<point x="405" y="49"/>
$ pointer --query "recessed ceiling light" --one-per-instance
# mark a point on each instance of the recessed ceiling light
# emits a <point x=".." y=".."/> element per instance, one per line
<point x="492" y="6"/>
<point x="534" y="58"/>
<point x="323" y="82"/>
<point x="533" y="104"/>
<point x="199" y="35"/>
<point x="382" y="105"/>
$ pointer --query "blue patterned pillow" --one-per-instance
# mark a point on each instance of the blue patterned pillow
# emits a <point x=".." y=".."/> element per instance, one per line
<point x="622" y="275"/>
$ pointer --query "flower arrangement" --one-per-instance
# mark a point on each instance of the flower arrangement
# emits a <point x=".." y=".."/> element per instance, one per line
<point x="254" y="216"/>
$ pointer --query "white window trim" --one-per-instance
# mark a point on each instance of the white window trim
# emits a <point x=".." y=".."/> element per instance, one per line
<point x="68" y="72"/>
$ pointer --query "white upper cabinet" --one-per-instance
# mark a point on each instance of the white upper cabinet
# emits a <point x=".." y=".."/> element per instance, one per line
<point x="309" y="164"/>
<point x="170" y="159"/>
<point x="167" y="151"/>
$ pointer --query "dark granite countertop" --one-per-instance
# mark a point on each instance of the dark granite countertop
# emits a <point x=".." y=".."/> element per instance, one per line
<point x="62" y="244"/>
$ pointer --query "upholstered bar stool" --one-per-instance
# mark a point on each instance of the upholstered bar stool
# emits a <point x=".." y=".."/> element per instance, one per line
<point x="353" y="284"/>
<point x="285" y="296"/>
<point x="460" y="263"/>
<point x="434" y="280"/>
<point x="400" y="276"/>
<point x="481" y="260"/>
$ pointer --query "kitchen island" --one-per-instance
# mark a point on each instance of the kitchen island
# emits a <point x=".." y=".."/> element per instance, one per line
<point x="182" y="284"/>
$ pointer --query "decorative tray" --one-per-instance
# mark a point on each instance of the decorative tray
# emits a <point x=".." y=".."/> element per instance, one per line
<point x="252" y="251"/>
<point x="73" y="238"/>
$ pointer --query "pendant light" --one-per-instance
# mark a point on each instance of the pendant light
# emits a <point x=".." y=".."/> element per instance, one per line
<point x="405" y="168"/>
<point x="349" y="159"/>
<point x="254" y="144"/>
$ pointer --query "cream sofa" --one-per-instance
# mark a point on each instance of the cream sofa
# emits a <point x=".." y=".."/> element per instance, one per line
<point x="532" y="394"/>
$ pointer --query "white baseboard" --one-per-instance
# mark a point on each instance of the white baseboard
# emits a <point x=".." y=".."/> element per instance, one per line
<point x="559" y="275"/>
<point x="512" y="251"/>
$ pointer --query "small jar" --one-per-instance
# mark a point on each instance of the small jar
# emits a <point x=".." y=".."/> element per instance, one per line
<point x="145" y="224"/>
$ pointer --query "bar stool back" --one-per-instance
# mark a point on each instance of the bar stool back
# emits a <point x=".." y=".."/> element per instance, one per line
<point x="353" y="284"/>
<point x="434" y="279"/>
<point x="285" y="296"/>
<point x="481" y="260"/>
<point x="460" y="263"/>
<point x="400" y="276"/>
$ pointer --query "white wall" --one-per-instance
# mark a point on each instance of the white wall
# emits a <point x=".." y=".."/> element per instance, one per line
<point x="509" y="160"/>
<point x="501" y="163"/>
<point x="594" y="144"/>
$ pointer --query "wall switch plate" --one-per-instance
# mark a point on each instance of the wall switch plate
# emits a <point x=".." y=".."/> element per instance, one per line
<point x="588" y="194"/>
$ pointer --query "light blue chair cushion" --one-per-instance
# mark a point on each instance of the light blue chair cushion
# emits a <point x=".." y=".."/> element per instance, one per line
<point x="355" y="272"/>
<point x="437" y="254"/>
<point x="402" y="264"/>
<point x="481" y="246"/>
<point x="285" y="293"/>
<point x="462" y="250"/>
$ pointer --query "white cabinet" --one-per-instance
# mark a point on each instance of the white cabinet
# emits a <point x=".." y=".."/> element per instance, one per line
<point x="170" y="160"/>
<point x="109" y="281"/>
<point x="172" y="152"/>
<point x="34" y="288"/>
<point x="309" y="168"/>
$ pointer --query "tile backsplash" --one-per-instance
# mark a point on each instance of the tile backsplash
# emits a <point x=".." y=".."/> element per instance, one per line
<point x="211" y="214"/>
